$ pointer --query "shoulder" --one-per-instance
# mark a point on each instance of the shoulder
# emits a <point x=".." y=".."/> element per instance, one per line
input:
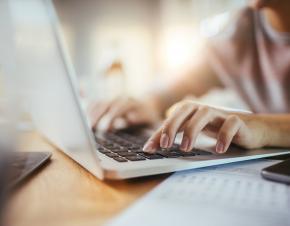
<point x="239" y="24"/>
<point x="244" y="27"/>
<point x="236" y="41"/>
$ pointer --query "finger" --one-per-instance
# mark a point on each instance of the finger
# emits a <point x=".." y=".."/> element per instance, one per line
<point x="121" y="123"/>
<point x="153" y="142"/>
<point x="195" y="125"/>
<point x="136" y="118"/>
<point x="173" y="124"/>
<point x="97" y="112"/>
<point x="117" y="111"/>
<point x="173" y="108"/>
<point x="227" y="132"/>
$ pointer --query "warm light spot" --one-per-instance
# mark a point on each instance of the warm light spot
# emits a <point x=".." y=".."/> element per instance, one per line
<point x="179" y="46"/>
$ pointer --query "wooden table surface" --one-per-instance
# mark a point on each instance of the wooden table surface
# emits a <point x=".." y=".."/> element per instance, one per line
<point x="63" y="193"/>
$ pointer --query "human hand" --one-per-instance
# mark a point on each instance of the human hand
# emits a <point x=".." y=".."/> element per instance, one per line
<point x="245" y="130"/>
<point x="127" y="111"/>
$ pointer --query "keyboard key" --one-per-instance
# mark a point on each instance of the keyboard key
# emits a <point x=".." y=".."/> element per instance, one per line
<point x="118" y="149"/>
<point x="120" y="159"/>
<point x="169" y="154"/>
<point x="188" y="154"/>
<point x="139" y="150"/>
<point x="151" y="156"/>
<point x="201" y="152"/>
<point x="135" y="158"/>
<point x="110" y="146"/>
<point x="103" y="150"/>
<point x="111" y="155"/>
<point x="126" y="153"/>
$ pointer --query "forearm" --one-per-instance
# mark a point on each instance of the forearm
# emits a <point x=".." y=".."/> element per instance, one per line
<point x="194" y="81"/>
<point x="275" y="128"/>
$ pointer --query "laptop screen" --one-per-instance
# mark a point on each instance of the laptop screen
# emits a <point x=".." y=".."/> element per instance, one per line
<point x="47" y="81"/>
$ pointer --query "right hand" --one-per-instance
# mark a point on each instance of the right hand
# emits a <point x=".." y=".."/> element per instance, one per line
<point x="106" y="115"/>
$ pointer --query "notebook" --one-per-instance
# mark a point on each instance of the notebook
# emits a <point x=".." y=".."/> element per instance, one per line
<point x="233" y="194"/>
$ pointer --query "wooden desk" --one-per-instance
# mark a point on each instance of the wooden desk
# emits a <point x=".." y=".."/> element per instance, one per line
<point x="63" y="193"/>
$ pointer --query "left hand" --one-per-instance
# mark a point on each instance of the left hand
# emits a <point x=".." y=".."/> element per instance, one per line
<point x="191" y="118"/>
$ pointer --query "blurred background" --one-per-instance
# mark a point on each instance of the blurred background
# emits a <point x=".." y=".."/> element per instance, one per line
<point x="121" y="46"/>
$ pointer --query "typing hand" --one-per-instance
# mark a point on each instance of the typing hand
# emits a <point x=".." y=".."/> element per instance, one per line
<point x="121" y="113"/>
<point x="192" y="118"/>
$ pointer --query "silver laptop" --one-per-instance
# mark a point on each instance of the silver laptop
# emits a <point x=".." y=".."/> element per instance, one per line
<point x="48" y="87"/>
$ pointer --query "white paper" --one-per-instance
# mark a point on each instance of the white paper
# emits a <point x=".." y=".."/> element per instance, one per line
<point x="233" y="194"/>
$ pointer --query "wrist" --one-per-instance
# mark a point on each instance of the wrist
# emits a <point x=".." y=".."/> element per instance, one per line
<point x="274" y="130"/>
<point x="259" y="128"/>
<point x="270" y="130"/>
<point x="277" y="130"/>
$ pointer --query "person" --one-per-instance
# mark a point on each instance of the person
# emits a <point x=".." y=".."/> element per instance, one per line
<point x="252" y="56"/>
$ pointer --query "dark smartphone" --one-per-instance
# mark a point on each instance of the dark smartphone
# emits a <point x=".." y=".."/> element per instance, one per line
<point x="279" y="172"/>
<point x="15" y="167"/>
<point x="22" y="164"/>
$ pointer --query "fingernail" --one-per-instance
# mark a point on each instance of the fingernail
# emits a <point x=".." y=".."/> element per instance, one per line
<point x="149" y="147"/>
<point x="164" y="140"/>
<point x="184" y="144"/>
<point x="219" y="147"/>
<point x="104" y="124"/>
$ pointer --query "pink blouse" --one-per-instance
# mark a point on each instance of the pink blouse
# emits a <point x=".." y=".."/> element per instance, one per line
<point x="254" y="60"/>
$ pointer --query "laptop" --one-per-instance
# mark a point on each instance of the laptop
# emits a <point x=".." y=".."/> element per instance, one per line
<point x="49" y="91"/>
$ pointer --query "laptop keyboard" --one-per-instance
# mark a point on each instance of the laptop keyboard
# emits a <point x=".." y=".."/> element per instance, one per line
<point x="124" y="147"/>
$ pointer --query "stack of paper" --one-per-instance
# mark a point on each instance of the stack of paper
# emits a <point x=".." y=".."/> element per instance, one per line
<point x="233" y="195"/>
